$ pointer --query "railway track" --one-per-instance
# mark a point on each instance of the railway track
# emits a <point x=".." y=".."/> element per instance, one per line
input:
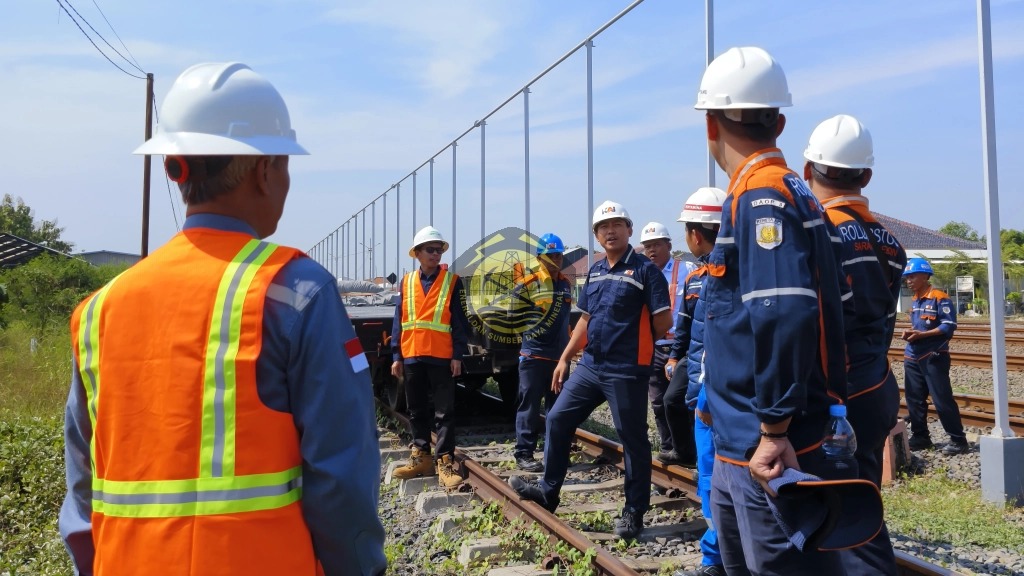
<point x="676" y="482"/>
<point x="979" y="412"/>
<point x="975" y="359"/>
<point x="978" y="333"/>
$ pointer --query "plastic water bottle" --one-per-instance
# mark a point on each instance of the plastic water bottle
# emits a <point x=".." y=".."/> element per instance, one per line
<point x="840" y="442"/>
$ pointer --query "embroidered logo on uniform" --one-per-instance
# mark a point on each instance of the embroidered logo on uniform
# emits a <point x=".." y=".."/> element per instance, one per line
<point x="945" y="309"/>
<point x="594" y="274"/>
<point x="769" y="232"/>
<point x="768" y="202"/>
<point x="628" y="272"/>
<point x="355" y="355"/>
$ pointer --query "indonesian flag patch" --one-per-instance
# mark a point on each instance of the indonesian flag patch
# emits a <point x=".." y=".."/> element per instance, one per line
<point x="355" y="355"/>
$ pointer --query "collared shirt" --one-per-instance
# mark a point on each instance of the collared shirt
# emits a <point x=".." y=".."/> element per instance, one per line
<point x="875" y="285"/>
<point x="686" y="305"/>
<point x="775" y="296"/>
<point x="549" y="303"/>
<point x="302" y="369"/>
<point x="620" y="301"/>
<point x="675" y="272"/>
<point x="460" y="324"/>
<point x="932" y="310"/>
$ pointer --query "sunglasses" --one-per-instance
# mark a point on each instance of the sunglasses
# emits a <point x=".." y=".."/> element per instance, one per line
<point x="433" y="249"/>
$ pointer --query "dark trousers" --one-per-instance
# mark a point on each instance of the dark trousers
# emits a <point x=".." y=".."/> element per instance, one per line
<point x="678" y="416"/>
<point x="657" y="386"/>
<point x="872" y="415"/>
<point x="930" y="375"/>
<point x="427" y="384"/>
<point x="584" y="391"/>
<point x="534" y="385"/>
<point x="750" y="538"/>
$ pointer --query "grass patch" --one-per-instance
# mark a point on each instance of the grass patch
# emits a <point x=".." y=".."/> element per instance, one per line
<point x="938" y="509"/>
<point x="34" y="384"/>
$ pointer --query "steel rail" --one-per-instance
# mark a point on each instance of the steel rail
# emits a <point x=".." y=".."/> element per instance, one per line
<point x="975" y="359"/>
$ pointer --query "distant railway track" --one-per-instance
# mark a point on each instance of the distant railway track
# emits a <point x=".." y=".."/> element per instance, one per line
<point x="979" y="412"/>
<point x="676" y="481"/>
<point x="975" y="359"/>
<point x="977" y="333"/>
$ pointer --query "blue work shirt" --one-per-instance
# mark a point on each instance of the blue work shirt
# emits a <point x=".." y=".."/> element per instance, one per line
<point x="876" y="288"/>
<point x="549" y="303"/>
<point x="620" y="301"/>
<point x="775" y="300"/>
<point x="302" y="369"/>
<point x="686" y="304"/>
<point x="460" y="324"/>
<point x="933" y="310"/>
<point x="675" y="272"/>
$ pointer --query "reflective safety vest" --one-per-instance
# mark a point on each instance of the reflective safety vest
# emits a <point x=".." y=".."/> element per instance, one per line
<point x="427" y="318"/>
<point x="191" y="473"/>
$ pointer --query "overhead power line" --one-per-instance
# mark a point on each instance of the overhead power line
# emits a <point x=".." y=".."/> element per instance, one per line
<point x="91" y="41"/>
<point x="118" y="36"/>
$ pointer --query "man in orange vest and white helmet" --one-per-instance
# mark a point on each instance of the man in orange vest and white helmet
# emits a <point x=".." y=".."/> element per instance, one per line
<point x="221" y="418"/>
<point x="429" y="338"/>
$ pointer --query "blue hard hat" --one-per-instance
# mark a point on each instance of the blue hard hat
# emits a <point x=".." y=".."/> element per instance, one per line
<point x="550" y="244"/>
<point x="916" y="265"/>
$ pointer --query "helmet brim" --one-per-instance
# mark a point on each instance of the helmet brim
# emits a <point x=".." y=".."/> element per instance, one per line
<point x="198" y="144"/>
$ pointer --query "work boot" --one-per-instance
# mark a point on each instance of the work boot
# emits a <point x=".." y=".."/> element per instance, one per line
<point x="527" y="463"/>
<point x="673" y="457"/>
<point x="630" y="524"/>
<point x="704" y="570"/>
<point x="954" y="448"/>
<point x="446" y="475"/>
<point x="920" y="442"/>
<point x="420" y="464"/>
<point x="529" y="489"/>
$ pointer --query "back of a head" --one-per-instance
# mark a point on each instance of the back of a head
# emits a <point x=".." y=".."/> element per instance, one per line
<point x="216" y="117"/>
<point x="840" y="149"/>
<point x="745" y="86"/>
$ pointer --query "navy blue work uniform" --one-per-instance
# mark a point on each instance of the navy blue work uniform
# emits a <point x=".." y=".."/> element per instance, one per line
<point x="873" y="261"/>
<point x="774" y="350"/>
<point x="550" y="300"/>
<point x="616" y="364"/>
<point x="926" y="366"/>
<point x="675" y="272"/>
<point x="428" y="379"/>
<point x="679" y="413"/>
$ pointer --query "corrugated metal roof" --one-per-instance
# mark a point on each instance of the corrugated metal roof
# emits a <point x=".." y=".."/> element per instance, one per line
<point x="15" y="251"/>
<point x="914" y="237"/>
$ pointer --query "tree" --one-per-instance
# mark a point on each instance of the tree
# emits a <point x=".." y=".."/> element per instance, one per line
<point x="45" y="290"/>
<point x="16" y="218"/>
<point x="961" y="230"/>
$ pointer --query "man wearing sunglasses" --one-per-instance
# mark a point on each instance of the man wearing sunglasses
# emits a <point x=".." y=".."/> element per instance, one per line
<point x="429" y="339"/>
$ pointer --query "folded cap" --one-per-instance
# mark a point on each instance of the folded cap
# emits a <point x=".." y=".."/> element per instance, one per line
<point x="825" y="514"/>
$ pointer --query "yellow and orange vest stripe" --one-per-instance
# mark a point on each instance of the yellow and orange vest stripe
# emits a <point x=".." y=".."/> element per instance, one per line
<point x="427" y="318"/>
<point x="192" y="473"/>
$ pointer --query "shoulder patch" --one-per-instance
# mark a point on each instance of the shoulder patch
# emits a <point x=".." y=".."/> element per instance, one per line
<point x="768" y="232"/>
<point x="768" y="202"/>
<point x="945" y="309"/>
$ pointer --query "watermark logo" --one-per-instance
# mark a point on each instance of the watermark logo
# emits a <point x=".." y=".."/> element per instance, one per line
<point x="512" y="294"/>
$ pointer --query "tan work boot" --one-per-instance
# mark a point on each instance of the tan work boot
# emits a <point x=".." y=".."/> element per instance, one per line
<point x="446" y="475"/>
<point x="420" y="464"/>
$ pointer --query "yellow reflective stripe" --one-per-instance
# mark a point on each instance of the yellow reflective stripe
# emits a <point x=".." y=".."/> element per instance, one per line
<point x="89" y="357"/>
<point x="217" y="448"/>
<point x="426" y="326"/>
<point x="198" y="496"/>
<point x="410" y="295"/>
<point x="446" y="287"/>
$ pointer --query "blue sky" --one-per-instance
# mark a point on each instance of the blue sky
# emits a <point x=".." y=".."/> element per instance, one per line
<point x="376" y="88"/>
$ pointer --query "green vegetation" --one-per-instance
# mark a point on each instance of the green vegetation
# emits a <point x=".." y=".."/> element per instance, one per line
<point x="935" y="508"/>
<point x="16" y="218"/>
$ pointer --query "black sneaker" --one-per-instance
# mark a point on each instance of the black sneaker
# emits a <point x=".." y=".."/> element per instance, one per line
<point x="529" y="464"/>
<point x="669" y="457"/>
<point x="704" y="570"/>
<point x="954" y="448"/>
<point x="918" y="442"/>
<point x="630" y="524"/>
<point x="531" y="490"/>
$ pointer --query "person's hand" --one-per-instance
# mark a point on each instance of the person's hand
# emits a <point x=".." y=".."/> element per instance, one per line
<point x="559" y="376"/>
<point x="396" y="369"/>
<point x="773" y="455"/>
<point x="456" y="368"/>
<point x="670" y="367"/>
<point x="913" y="335"/>
<point x="907" y="333"/>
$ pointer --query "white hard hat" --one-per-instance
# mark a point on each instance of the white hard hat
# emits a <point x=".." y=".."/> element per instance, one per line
<point x="223" y="109"/>
<point x="743" y="78"/>
<point x="841" y="141"/>
<point x="654" y="231"/>
<point x="703" y="206"/>
<point x="609" y="210"/>
<point x="428" y="234"/>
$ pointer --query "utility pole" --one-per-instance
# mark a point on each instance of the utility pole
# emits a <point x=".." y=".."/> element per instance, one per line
<point x="146" y="166"/>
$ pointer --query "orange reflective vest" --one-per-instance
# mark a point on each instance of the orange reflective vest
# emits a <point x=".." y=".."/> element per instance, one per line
<point x="427" y="318"/>
<point x="191" y="473"/>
